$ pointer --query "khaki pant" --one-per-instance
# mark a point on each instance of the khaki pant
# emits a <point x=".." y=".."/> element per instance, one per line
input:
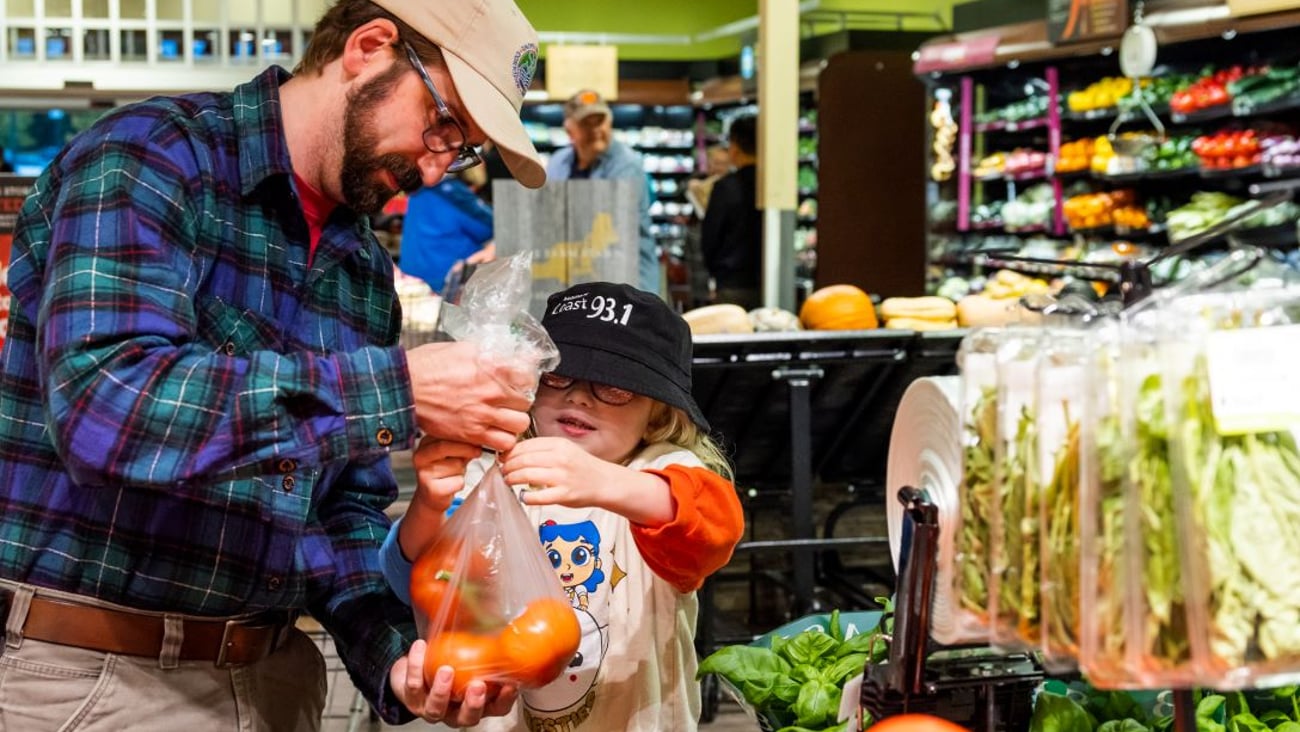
<point x="45" y="686"/>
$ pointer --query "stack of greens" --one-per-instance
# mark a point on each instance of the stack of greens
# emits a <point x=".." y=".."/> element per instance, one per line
<point x="1245" y="493"/>
<point x="1061" y="550"/>
<point x="795" y="685"/>
<point x="1276" y="710"/>
<point x="972" y="551"/>
<point x="1164" y="643"/>
<point x="1015" y="547"/>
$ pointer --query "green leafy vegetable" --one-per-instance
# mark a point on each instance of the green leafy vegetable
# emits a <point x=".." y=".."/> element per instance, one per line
<point x="977" y="497"/>
<point x="1246" y="503"/>
<point x="796" y="683"/>
<point x="1111" y="454"/>
<point x="1015" y="549"/>
<point x="1165" y="637"/>
<point x="1061" y="498"/>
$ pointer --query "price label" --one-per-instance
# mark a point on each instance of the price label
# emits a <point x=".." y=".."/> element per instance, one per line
<point x="1254" y="379"/>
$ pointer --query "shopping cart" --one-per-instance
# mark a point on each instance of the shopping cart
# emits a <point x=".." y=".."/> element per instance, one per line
<point x="345" y="708"/>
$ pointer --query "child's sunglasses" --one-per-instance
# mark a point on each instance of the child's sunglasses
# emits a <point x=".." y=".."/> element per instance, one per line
<point x="611" y="395"/>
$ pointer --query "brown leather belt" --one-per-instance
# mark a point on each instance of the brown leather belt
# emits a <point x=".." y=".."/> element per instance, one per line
<point x="224" y="642"/>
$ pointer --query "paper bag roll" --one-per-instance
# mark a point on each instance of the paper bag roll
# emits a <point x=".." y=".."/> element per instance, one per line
<point x="925" y="452"/>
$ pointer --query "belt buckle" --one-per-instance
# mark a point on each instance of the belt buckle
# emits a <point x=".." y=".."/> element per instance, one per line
<point x="226" y="643"/>
<point x="281" y="630"/>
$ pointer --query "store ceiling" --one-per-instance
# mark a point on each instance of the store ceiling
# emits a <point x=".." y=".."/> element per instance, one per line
<point x="682" y="29"/>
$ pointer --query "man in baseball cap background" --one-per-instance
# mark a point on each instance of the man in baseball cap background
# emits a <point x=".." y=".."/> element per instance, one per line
<point x="596" y="155"/>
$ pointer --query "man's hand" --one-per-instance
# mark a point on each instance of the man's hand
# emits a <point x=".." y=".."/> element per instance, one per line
<point x="459" y="398"/>
<point x="433" y="702"/>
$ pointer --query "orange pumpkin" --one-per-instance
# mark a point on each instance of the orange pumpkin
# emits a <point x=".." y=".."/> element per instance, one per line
<point x="838" y="307"/>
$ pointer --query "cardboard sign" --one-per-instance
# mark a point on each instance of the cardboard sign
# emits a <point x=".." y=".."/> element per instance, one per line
<point x="570" y="69"/>
<point x="1069" y="21"/>
<point x="956" y="55"/>
<point x="578" y="231"/>
<point x="1237" y="8"/>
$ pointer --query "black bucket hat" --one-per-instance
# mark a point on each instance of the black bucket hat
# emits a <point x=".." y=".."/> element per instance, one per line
<point x="618" y="335"/>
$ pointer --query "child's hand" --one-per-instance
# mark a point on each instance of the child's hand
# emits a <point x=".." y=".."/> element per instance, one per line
<point x="557" y="471"/>
<point x="439" y="476"/>
<point x="560" y="472"/>
<point x="440" y="471"/>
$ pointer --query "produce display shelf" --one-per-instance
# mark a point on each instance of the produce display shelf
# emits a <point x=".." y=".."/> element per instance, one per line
<point x="1279" y="236"/>
<point x="1150" y="175"/>
<point x="1091" y="115"/>
<point x="1242" y="172"/>
<point x="1243" y="107"/>
<point x="1209" y="114"/>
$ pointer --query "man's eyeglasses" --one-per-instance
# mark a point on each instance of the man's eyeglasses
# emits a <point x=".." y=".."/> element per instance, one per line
<point x="612" y="395"/>
<point x="445" y="134"/>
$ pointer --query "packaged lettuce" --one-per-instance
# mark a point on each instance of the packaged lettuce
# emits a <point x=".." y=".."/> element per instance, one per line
<point x="977" y="361"/>
<point x="1061" y="391"/>
<point x="1105" y="648"/>
<point x="1234" y="415"/>
<point x="1014" y="562"/>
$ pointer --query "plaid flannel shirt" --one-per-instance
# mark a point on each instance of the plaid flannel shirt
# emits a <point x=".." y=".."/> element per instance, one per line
<point x="192" y="419"/>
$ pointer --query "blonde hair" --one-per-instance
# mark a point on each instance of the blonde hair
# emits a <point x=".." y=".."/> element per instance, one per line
<point x="672" y="425"/>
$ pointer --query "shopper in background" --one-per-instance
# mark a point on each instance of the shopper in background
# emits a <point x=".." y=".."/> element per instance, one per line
<point x="631" y="502"/>
<point x="202" y="383"/>
<point x="5" y="167"/>
<point x="445" y="224"/>
<point x="699" y="188"/>
<point x="595" y="154"/>
<point x="731" y="235"/>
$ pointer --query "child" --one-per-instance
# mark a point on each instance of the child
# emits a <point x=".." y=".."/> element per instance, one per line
<point x="631" y="503"/>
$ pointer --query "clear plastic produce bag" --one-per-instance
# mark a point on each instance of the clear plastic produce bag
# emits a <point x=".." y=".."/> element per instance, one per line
<point x="493" y="313"/>
<point x="1060" y="398"/>
<point x="1233" y="415"/>
<point x="1013" y="552"/>
<point x="487" y="600"/>
<point x="977" y="360"/>
<point x="1105" y="650"/>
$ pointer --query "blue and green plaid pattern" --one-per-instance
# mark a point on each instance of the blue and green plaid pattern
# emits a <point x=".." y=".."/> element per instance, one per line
<point x="192" y="418"/>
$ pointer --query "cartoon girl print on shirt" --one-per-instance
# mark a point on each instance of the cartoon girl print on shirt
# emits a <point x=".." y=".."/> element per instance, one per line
<point x="574" y="551"/>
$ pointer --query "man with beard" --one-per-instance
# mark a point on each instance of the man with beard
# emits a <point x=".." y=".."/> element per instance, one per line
<point x="595" y="154"/>
<point x="202" y="383"/>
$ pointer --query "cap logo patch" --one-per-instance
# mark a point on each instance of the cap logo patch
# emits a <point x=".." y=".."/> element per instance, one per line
<point x="600" y="307"/>
<point x="525" y="66"/>
<point x="588" y="97"/>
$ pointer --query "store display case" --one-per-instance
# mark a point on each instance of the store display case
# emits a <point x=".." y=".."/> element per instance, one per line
<point x="1056" y="160"/>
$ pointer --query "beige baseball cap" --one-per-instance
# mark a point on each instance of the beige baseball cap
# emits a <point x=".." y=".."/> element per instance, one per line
<point x="584" y="104"/>
<point x="491" y="51"/>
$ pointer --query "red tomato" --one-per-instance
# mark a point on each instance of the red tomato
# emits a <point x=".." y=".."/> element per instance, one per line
<point x="449" y="572"/>
<point x="537" y="646"/>
<point x="472" y="655"/>
<point x="915" y="723"/>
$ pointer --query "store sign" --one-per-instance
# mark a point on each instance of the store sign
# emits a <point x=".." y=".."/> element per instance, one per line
<point x="13" y="191"/>
<point x="1069" y="21"/>
<point x="956" y="55"/>
<point x="570" y="69"/>
<point x="1238" y="8"/>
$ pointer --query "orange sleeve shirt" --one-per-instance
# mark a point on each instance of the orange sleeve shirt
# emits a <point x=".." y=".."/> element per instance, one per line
<point x="704" y="532"/>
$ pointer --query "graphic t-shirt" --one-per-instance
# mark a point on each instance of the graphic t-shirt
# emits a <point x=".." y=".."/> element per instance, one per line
<point x="635" y="668"/>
